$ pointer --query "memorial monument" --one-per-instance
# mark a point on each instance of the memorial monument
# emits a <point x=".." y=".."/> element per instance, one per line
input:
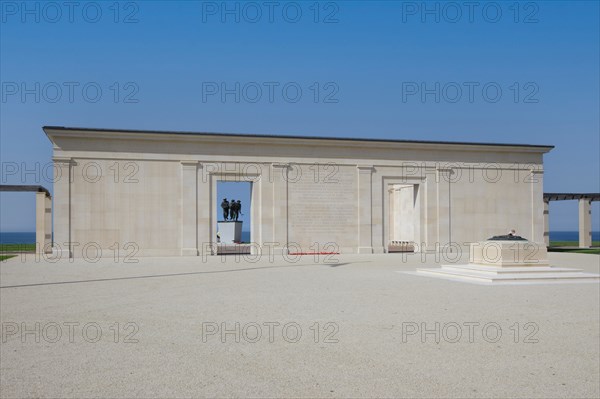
<point x="158" y="189"/>
<point x="509" y="259"/>
<point x="229" y="230"/>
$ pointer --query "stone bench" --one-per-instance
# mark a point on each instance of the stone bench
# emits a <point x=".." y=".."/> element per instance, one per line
<point x="401" y="246"/>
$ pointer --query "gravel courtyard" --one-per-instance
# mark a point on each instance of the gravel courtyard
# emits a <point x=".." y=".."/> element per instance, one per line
<point x="224" y="327"/>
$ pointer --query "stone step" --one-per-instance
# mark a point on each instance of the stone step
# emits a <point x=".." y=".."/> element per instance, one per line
<point x="230" y="249"/>
<point x="494" y="270"/>
<point x="469" y="275"/>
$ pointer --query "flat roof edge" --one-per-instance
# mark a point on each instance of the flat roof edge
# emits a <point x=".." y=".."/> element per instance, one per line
<point x="292" y="137"/>
<point x="16" y="188"/>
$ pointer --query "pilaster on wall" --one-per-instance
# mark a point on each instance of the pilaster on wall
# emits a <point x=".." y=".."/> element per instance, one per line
<point x="444" y="206"/>
<point x="262" y="204"/>
<point x="391" y="212"/>
<point x="189" y="208"/>
<point x="48" y="224"/>
<point x="537" y="207"/>
<point x="256" y="235"/>
<point x="430" y="209"/>
<point x="279" y="173"/>
<point x="43" y="222"/>
<point x="378" y="236"/>
<point x="364" y="217"/>
<point x="63" y="179"/>
<point x="206" y="210"/>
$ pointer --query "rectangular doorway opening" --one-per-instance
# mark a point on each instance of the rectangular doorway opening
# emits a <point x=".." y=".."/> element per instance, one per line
<point x="403" y="217"/>
<point x="234" y="217"/>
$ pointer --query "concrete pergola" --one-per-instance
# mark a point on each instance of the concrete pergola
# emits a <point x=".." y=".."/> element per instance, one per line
<point x="43" y="214"/>
<point x="585" y="214"/>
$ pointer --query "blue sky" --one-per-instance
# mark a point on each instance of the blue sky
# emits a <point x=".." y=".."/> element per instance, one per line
<point x="156" y="62"/>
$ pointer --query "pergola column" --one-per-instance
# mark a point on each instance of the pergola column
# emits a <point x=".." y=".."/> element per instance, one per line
<point x="547" y="223"/>
<point x="585" y="223"/>
<point x="62" y="240"/>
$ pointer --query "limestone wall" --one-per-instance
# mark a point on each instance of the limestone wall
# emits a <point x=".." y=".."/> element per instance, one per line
<point x="323" y="208"/>
<point x="125" y="208"/>
<point x="155" y="194"/>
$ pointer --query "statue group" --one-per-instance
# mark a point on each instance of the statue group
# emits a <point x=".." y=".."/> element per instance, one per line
<point x="511" y="236"/>
<point x="231" y="210"/>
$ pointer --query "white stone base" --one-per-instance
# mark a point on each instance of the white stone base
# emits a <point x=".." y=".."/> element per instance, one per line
<point x="509" y="262"/>
<point x="508" y="253"/>
<point x="230" y="232"/>
<point x="498" y="275"/>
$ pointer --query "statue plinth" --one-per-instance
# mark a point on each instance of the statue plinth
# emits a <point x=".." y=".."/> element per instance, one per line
<point x="230" y="232"/>
<point x="508" y="252"/>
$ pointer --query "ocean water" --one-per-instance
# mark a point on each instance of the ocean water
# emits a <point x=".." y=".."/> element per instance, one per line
<point x="29" y="237"/>
<point x="245" y="236"/>
<point x="571" y="236"/>
<point x="17" y="238"/>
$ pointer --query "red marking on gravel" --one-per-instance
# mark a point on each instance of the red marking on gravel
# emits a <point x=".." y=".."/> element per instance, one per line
<point x="314" y="253"/>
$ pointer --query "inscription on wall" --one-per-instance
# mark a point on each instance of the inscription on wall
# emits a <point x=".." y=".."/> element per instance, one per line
<point x="324" y="208"/>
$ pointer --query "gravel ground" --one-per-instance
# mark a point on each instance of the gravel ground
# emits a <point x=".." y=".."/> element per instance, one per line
<point x="184" y="327"/>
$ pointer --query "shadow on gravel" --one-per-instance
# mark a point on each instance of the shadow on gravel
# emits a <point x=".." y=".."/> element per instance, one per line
<point x="173" y="275"/>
